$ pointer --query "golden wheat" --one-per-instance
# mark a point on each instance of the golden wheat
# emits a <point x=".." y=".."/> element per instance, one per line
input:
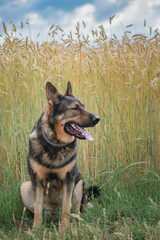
<point x="117" y="80"/>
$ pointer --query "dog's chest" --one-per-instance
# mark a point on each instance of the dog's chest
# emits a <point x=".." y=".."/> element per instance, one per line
<point x="51" y="175"/>
<point x="52" y="182"/>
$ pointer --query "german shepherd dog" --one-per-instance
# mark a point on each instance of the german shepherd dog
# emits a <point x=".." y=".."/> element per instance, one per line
<point x="52" y="165"/>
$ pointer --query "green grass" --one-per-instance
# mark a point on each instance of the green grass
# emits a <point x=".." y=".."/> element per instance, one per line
<point x="123" y="211"/>
<point x="119" y="80"/>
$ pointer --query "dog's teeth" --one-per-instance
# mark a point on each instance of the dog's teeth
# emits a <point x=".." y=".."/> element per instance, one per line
<point x="73" y="126"/>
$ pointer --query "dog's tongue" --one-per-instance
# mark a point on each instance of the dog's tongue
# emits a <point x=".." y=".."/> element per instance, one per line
<point x="86" y="134"/>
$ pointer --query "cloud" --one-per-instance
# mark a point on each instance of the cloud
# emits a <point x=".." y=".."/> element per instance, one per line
<point x="154" y="3"/>
<point x="7" y="4"/>
<point x="66" y="20"/>
<point x="127" y="12"/>
<point x="135" y="12"/>
<point x="36" y="20"/>
<point x="37" y="25"/>
<point x="85" y="13"/>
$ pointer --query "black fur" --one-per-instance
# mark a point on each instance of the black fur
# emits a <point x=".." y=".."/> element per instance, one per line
<point x="93" y="191"/>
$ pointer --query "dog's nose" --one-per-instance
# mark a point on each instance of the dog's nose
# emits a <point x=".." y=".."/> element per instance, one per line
<point x="96" y="119"/>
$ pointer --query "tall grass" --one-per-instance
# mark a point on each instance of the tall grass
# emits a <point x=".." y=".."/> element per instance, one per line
<point x="119" y="80"/>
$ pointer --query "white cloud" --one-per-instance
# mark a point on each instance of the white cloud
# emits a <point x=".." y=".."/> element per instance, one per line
<point x="134" y="13"/>
<point x="154" y="3"/>
<point x="157" y="23"/>
<point x="85" y="13"/>
<point x="66" y="20"/>
<point x="37" y="25"/>
<point x="36" y="20"/>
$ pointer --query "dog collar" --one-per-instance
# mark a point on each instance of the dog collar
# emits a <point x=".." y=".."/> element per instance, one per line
<point x="51" y="143"/>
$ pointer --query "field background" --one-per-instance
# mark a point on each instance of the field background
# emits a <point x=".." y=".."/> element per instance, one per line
<point x="118" y="80"/>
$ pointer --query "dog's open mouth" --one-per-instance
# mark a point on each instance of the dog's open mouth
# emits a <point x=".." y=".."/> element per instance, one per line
<point x="77" y="131"/>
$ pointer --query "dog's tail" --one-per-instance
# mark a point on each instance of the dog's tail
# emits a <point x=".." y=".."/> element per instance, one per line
<point x="91" y="192"/>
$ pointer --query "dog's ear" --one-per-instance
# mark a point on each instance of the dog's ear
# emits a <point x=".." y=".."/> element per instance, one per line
<point x="52" y="94"/>
<point x="69" y="90"/>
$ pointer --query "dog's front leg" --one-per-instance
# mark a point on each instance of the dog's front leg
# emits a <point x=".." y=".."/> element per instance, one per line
<point x="38" y="206"/>
<point x="66" y="201"/>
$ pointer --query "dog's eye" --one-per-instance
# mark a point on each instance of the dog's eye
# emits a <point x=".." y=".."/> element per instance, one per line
<point x="75" y="108"/>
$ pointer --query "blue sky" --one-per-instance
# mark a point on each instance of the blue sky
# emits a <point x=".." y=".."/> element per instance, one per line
<point x="66" y="13"/>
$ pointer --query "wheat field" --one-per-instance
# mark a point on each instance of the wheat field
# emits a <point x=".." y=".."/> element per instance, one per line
<point x="118" y="80"/>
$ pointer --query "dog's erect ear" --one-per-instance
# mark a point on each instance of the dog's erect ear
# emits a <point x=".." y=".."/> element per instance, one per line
<point x="52" y="94"/>
<point x="69" y="90"/>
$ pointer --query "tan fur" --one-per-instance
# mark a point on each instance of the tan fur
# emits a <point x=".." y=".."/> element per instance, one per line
<point x="62" y="136"/>
<point x="36" y="145"/>
<point x="66" y="204"/>
<point x="53" y="198"/>
<point x="62" y="171"/>
<point x="45" y="118"/>
<point x="38" y="206"/>
<point x="41" y="171"/>
<point x="47" y="113"/>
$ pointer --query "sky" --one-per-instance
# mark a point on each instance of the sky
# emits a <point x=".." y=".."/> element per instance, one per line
<point x="42" y="14"/>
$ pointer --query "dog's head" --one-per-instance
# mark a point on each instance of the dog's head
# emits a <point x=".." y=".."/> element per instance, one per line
<point x="68" y="116"/>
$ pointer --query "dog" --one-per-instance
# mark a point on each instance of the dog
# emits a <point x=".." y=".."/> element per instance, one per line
<point x="52" y="165"/>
